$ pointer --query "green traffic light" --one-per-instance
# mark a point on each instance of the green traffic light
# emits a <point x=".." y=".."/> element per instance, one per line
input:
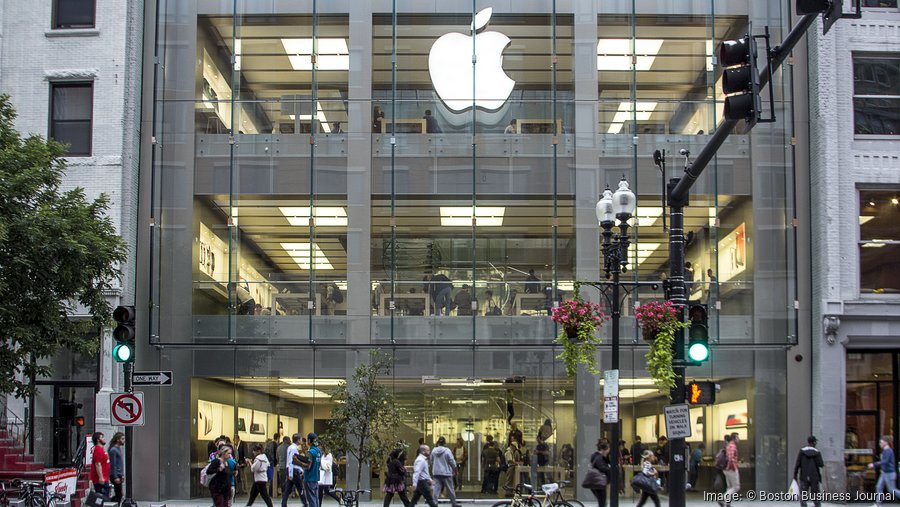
<point x="698" y="352"/>
<point x="123" y="353"/>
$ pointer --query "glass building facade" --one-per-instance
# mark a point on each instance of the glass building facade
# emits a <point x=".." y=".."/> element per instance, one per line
<point x="317" y="166"/>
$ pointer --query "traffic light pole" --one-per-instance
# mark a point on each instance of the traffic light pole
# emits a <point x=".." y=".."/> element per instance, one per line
<point x="128" y="369"/>
<point x="679" y="190"/>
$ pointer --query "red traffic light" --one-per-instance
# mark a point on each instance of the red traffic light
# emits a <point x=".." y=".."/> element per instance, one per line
<point x="79" y="421"/>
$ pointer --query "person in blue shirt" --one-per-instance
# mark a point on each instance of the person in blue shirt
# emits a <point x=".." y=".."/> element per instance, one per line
<point x="694" y="468"/>
<point x="233" y="466"/>
<point x="888" y="467"/>
<point x="116" y="465"/>
<point x="311" y="475"/>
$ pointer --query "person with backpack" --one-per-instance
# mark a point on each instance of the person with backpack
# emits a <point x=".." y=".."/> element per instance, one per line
<point x="219" y="476"/>
<point x="807" y="470"/>
<point x="312" y="471"/>
<point x="721" y="460"/>
<point x="395" y="478"/>
<point x="259" y="467"/>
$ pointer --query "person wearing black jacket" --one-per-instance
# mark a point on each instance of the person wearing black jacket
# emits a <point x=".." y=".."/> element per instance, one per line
<point x="395" y="479"/>
<point x="600" y="461"/>
<point x="220" y="483"/>
<point x="807" y="470"/>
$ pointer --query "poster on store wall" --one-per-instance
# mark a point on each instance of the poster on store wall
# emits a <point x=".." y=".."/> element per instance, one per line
<point x="61" y="482"/>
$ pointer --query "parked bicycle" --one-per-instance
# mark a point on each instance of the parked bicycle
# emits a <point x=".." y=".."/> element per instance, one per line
<point x="551" y="497"/>
<point x="35" y="494"/>
<point x="350" y="497"/>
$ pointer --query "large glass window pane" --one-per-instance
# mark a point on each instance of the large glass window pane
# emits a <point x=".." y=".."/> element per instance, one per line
<point x="73" y="14"/>
<point x="876" y="90"/>
<point x="879" y="247"/>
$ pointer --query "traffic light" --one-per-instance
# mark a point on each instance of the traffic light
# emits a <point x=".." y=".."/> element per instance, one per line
<point x="740" y="81"/>
<point x="701" y="393"/>
<point x="123" y="351"/>
<point x="831" y="10"/>
<point x="698" y="345"/>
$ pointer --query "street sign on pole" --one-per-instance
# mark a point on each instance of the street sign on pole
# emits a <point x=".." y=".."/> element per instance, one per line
<point x="152" y="378"/>
<point x="611" y="383"/>
<point x="678" y="421"/>
<point x="611" y="409"/>
<point x="127" y="409"/>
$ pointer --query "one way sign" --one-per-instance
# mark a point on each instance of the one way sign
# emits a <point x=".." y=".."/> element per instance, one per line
<point x="152" y="378"/>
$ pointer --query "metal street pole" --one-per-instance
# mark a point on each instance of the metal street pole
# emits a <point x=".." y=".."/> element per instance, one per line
<point x="128" y="369"/>
<point x="614" y="443"/>
<point x="679" y="299"/>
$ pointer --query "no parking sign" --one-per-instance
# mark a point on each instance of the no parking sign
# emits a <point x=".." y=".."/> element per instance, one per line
<point x="127" y="409"/>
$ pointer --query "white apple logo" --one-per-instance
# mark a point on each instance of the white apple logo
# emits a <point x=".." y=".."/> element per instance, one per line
<point x="450" y="66"/>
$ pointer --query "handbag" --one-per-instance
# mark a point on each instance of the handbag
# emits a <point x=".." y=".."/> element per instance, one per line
<point x="594" y="479"/>
<point x="645" y="483"/>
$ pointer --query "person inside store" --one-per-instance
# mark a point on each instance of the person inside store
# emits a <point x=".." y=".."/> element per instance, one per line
<point x="490" y="304"/>
<point x="461" y="455"/>
<point x="662" y="457"/>
<point x="511" y="128"/>
<point x="532" y="284"/>
<point x="377" y="119"/>
<point x="414" y="306"/>
<point x="431" y="123"/>
<point x="336" y="128"/>
<point x="694" y="466"/>
<point x="463" y="301"/>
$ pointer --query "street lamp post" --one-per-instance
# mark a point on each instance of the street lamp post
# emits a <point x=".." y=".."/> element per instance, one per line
<point x="611" y="207"/>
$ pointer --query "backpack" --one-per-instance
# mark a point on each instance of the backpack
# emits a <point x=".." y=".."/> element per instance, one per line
<point x="336" y="295"/>
<point x="504" y="465"/>
<point x="721" y="459"/>
<point x="205" y="477"/>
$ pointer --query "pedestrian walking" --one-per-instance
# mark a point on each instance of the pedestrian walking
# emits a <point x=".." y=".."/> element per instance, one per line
<point x="116" y="465"/>
<point x="294" y="480"/>
<point x="422" y="479"/>
<point x="807" y="470"/>
<point x="490" y="460"/>
<point x="395" y="478"/>
<point x="648" y="458"/>
<point x="272" y="454"/>
<point x="100" y="465"/>
<point x="313" y="469"/>
<point x="694" y="466"/>
<point x="259" y="467"/>
<point x="326" y="479"/>
<point x="888" y="468"/>
<point x="731" y="471"/>
<point x="221" y="475"/>
<point x="600" y="461"/>
<point x="443" y="468"/>
<point x="281" y="461"/>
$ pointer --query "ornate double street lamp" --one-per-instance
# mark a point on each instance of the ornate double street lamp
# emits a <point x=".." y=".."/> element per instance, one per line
<point x="615" y="206"/>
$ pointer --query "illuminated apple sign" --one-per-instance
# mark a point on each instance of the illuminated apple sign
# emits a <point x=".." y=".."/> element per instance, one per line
<point x="450" y="66"/>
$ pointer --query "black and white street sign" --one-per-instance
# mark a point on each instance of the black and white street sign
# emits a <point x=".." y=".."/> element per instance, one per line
<point x="678" y="421"/>
<point x="127" y="409"/>
<point x="152" y="378"/>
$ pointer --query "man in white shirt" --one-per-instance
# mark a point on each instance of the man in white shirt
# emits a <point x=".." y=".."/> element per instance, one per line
<point x="294" y="472"/>
<point x="422" y="479"/>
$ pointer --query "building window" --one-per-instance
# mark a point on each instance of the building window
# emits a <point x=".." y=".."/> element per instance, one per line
<point x="876" y="95"/>
<point x="73" y="13"/>
<point x="879" y="241"/>
<point x="71" y="116"/>
<point x="880" y="4"/>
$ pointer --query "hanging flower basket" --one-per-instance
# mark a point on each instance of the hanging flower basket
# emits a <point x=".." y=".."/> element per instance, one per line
<point x="580" y="320"/>
<point x="659" y="322"/>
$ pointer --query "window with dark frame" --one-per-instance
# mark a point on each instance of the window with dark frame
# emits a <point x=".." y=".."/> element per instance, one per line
<point x="876" y="95"/>
<point x="879" y="241"/>
<point x="74" y="13"/>
<point x="880" y="4"/>
<point x="71" y="116"/>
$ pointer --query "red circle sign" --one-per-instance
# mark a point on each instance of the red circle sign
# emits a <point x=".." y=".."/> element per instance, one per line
<point x="127" y="408"/>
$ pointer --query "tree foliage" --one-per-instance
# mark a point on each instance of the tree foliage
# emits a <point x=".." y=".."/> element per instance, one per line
<point x="58" y="252"/>
<point x="365" y="421"/>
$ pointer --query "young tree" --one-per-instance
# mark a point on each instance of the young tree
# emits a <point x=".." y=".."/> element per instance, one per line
<point x="365" y="421"/>
<point x="58" y="251"/>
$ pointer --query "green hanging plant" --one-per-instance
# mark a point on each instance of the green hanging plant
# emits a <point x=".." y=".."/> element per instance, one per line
<point x="580" y="320"/>
<point x="659" y="322"/>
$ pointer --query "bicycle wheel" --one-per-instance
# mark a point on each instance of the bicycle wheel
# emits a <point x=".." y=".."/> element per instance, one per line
<point x="36" y="500"/>
<point x="573" y="503"/>
<point x="564" y="504"/>
<point x="503" y="503"/>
